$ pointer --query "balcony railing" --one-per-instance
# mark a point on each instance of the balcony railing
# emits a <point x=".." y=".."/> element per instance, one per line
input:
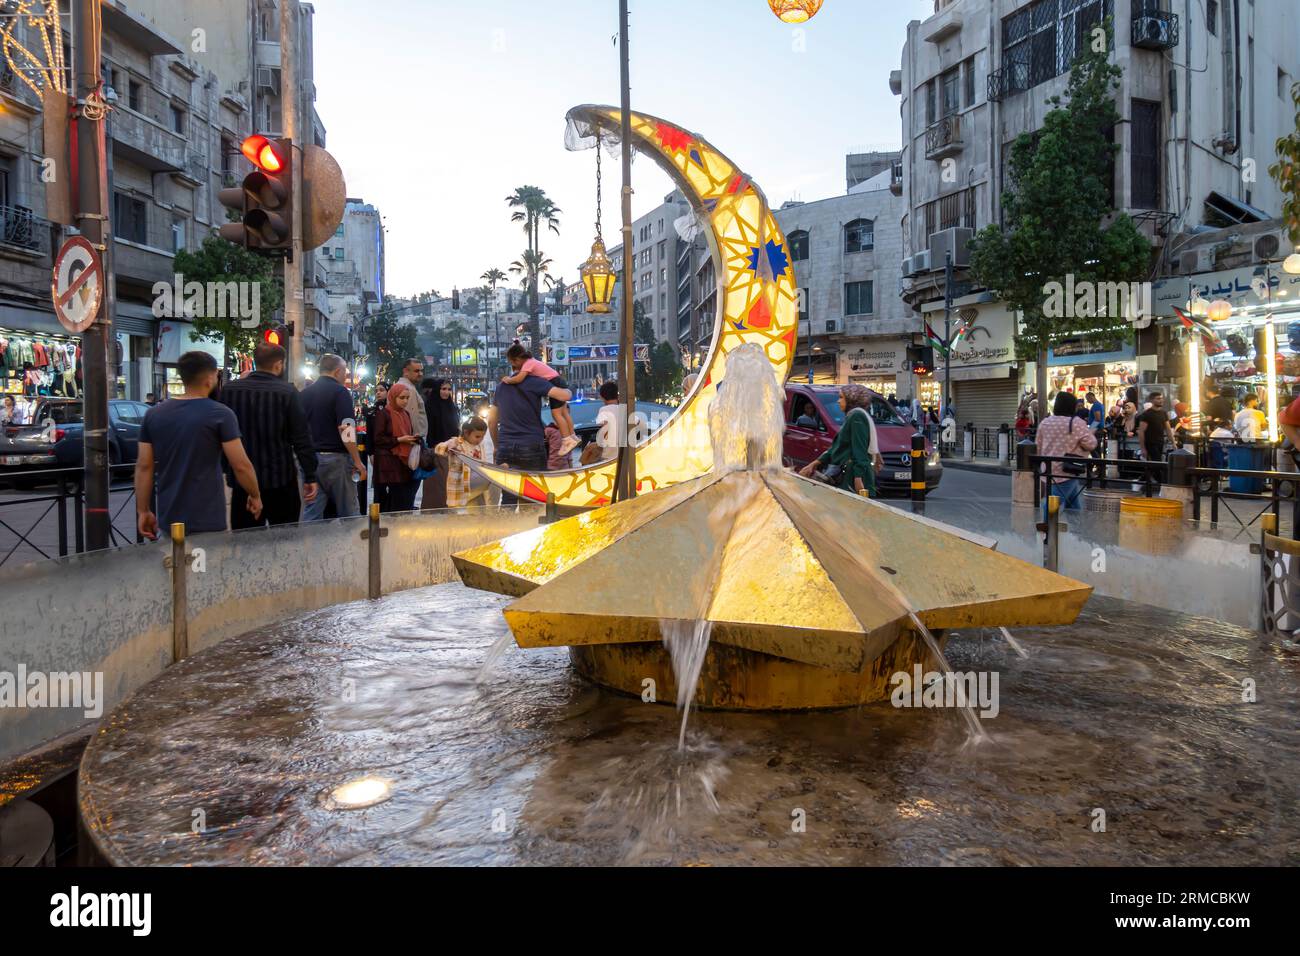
<point x="943" y="139"/>
<point x="1154" y="29"/>
<point x="21" y="228"/>
<point x="1012" y="78"/>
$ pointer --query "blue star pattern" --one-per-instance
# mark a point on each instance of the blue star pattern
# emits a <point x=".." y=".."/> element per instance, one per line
<point x="777" y="260"/>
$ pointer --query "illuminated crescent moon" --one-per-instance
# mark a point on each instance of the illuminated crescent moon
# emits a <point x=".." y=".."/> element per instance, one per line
<point x="757" y="302"/>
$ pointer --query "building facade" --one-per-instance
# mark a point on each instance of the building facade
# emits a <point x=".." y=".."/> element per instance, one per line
<point x="353" y="262"/>
<point x="1203" y="96"/>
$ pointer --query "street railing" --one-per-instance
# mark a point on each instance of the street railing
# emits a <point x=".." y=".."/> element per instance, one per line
<point x="1274" y="488"/>
<point x="1094" y="474"/>
<point x="64" y="507"/>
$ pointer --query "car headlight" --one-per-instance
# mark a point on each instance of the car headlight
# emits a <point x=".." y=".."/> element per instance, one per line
<point x="933" y="460"/>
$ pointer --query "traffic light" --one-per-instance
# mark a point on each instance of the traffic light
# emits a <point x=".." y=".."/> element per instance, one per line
<point x="920" y="359"/>
<point x="264" y="199"/>
<point x="278" y="335"/>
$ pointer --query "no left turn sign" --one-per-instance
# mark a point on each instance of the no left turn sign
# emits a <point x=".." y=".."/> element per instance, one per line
<point x="78" y="286"/>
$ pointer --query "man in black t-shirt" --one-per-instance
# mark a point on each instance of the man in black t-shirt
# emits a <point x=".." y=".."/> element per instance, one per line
<point x="1152" y="429"/>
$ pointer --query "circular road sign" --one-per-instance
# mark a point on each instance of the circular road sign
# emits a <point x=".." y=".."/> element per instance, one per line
<point x="78" y="286"/>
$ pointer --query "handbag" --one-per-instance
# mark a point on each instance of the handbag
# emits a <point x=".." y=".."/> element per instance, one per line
<point x="1075" y="467"/>
<point x="422" y="461"/>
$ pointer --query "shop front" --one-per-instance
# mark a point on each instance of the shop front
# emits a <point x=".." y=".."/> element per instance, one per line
<point x="37" y="358"/>
<point x="879" y="363"/>
<point x="175" y="338"/>
<point x="1104" y="365"/>
<point x="985" y="375"/>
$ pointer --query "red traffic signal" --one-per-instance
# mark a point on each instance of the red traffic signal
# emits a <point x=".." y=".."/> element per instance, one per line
<point x="263" y="153"/>
<point x="273" y="337"/>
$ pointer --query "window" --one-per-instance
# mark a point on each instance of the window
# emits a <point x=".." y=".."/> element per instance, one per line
<point x="1041" y="40"/>
<point x="130" y="218"/>
<point x="950" y="84"/>
<point x="1212" y="16"/>
<point x="663" y="275"/>
<point x="661" y="227"/>
<point x="968" y="76"/>
<point x="929" y="104"/>
<point x="857" y="298"/>
<point x="338" y="252"/>
<point x="339" y="231"/>
<point x="178" y="235"/>
<point x="1145" y="155"/>
<point x="178" y="119"/>
<point x="663" y="248"/>
<point x="798" y="245"/>
<point x="227" y="154"/>
<point x="8" y="180"/>
<point x="135" y="94"/>
<point x="859" y="236"/>
<point x="803" y="305"/>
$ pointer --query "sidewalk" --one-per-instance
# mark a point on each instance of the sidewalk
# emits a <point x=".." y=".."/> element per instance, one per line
<point x="987" y="466"/>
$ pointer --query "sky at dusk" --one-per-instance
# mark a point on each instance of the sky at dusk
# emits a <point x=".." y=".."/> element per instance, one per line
<point x="437" y="110"/>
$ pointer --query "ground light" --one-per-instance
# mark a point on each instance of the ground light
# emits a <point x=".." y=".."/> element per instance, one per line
<point x="360" y="793"/>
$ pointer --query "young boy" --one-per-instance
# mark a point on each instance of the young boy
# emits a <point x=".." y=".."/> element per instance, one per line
<point x="459" y="477"/>
<point x="522" y="361"/>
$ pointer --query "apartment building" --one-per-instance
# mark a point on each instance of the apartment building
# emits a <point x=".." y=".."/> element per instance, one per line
<point x="1203" y="96"/>
<point x="853" y="327"/>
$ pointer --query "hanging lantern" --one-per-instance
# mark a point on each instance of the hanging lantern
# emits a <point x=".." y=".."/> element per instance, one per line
<point x="795" y="11"/>
<point x="597" y="272"/>
<point x="1291" y="264"/>
<point x="1220" y="309"/>
<point x="1197" y="306"/>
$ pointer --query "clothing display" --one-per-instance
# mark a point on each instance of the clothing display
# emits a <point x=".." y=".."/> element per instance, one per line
<point x="42" y="365"/>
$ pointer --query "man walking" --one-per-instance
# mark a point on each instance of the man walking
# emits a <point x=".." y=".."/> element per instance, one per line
<point x="1152" y="429"/>
<point x="182" y="442"/>
<point x="274" y="429"/>
<point x="328" y="405"/>
<point x="515" y="423"/>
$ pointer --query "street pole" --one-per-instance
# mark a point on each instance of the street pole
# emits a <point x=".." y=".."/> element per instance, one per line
<point x="947" y="334"/>
<point x="293" y="296"/>
<point x="92" y="220"/>
<point x="625" y="478"/>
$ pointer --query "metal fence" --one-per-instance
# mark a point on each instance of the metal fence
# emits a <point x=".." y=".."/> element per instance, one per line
<point x="49" y="524"/>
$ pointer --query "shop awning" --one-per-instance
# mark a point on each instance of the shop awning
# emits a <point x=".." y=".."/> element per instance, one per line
<point x="976" y="373"/>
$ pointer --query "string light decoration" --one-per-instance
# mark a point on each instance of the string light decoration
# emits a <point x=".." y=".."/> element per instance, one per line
<point x="795" y="11"/>
<point x="42" y="20"/>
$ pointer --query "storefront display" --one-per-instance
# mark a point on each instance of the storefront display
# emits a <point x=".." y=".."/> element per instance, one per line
<point x="40" y="364"/>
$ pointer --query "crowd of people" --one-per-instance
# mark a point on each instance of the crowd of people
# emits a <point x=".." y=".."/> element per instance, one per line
<point x="287" y="455"/>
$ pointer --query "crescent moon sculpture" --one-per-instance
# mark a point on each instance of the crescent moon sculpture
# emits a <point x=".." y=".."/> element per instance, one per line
<point x="757" y="302"/>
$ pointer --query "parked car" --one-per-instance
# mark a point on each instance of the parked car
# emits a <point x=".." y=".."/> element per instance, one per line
<point x="54" y="440"/>
<point x="584" y="417"/>
<point x="818" y="406"/>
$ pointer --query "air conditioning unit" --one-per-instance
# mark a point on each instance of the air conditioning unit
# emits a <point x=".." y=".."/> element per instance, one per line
<point x="1272" y="245"/>
<point x="831" y="326"/>
<point x="1196" y="260"/>
<point x="921" y="262"/>
<point x="1153" y="33"/>
<point x="908" y="270"/>
<point x="268" y="78"/>
<point x="955" y="240"/>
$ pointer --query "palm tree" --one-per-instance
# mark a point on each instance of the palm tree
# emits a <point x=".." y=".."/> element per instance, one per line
<point x="533" y="266"/>
<point x="493" y="277"/>
<point x="531" y="207"/>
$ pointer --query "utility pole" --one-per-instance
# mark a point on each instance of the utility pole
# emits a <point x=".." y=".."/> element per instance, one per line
<point x="294" y="309"/>
<point x="92" y="221"/>
<point x="625" y="477"/>
<point x="947" y="333"/>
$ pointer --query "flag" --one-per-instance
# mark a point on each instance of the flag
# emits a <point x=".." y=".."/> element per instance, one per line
<point x="935" y="340"/>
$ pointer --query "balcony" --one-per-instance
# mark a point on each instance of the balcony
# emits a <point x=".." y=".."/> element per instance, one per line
<point x="142" y="131"/>
<point x="1012" y="78"/>
<point x="23" y="231"/>
<point x="1154" y="29"/>
<point x="943" y="139"/>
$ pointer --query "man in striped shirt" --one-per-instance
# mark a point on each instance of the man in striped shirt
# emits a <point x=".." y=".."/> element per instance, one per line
<point x="274" y="428"/>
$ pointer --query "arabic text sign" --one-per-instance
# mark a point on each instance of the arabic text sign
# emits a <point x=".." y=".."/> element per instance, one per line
<point x="1240" y="287"/>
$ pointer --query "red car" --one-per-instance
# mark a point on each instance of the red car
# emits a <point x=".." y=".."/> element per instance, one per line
<point x="813" y="419"/>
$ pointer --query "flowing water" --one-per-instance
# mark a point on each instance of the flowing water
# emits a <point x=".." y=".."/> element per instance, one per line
<point x="964" y="706"/>
<point x="1133" y="710"/>
<point x="1015" y="644"/>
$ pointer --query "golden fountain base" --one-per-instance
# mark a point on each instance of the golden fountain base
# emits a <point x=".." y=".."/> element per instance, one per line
<point x="737" y="679"/>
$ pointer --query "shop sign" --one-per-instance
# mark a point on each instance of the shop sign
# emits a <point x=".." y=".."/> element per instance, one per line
<point x="1251" y="286"/>
<point x="883" y="360"/>
<point x="989" y="338"/>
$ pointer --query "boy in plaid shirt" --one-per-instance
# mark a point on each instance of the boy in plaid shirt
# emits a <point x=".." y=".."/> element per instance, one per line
<point x="470" y="444"/>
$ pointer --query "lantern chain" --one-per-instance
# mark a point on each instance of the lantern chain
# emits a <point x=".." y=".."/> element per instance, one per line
<point x="598" y="235"/>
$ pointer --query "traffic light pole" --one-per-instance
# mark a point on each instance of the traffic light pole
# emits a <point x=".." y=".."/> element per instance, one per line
<point x="293" y="294"/>
<point x="947" y="334"/>
<point x="92" y="221"/>
<point x="625" y="477"/>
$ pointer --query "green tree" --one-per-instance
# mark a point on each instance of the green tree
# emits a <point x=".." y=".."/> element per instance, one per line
<point x="389" y="343"/>
<point x="217" y="260"/>
<point x="532" y="207"/>
<point x="1286" y="172"/>
<point x="1053" y="213"/>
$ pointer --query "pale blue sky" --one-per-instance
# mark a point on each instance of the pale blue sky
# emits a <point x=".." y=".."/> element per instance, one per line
<point x="437" y="109"/>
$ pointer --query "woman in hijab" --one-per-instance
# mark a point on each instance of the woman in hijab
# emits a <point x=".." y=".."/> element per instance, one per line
<point x="444" y="425"/>
<point x="856" y="450"/>
<point x="395" y="485"/>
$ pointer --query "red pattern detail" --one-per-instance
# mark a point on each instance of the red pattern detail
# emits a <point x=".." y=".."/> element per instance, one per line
<point x="788" y="339"/>
<point x="760" y="316"/>
<point x="602" y="500"/>
<point x="673" y="139"/>
<point x="532" y="490"/>
<point x="736" y="182"/>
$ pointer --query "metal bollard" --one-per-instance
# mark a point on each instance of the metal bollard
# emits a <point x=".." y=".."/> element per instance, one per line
<point x="1004" y="443"/>
<point x="552" y="512"/>
<point x="373" y="535"/>
<point x="968" y="451"/>
<point x="1052" y="543"/>
<point x="180" y="566"/>
<point x="918" y="473"/>
<point x="1024" y="450"/>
